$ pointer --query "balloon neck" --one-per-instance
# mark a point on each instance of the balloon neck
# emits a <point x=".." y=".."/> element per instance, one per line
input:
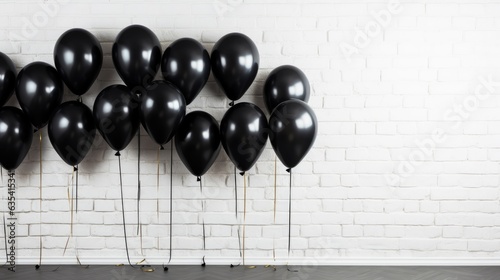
<point x="288" y="170"/>
<point x="75" y="168"/>
<point x="231" y="103"/>
<point x="161" y="147"/>
<point x="118" y="154"/>
<point x="35" y="130"/>
<point x="242" y="173"/>
<point x="198" y="179"/>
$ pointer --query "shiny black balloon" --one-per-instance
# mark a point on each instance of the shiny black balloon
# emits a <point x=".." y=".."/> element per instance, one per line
<point x="116" y="115"/>
<point x="136" y="55"/>
<point x="294" y="127"/>
<point x="39" y="91"/>
<point x="16" y="135"/>
<point x="7" y="78"/>
<point x="162" y="110"/>
<point x="244" y="131"/>
<point x="284" y="83"/>
<point x="235" y="62"/>
<point x="197" y="142"/>
<point x="78" y="59"/>
<point x="72" y="131"/>
<point x="186" y="64"/>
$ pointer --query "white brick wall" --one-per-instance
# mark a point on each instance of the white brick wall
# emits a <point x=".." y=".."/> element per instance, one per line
<point x="376" y="184"/>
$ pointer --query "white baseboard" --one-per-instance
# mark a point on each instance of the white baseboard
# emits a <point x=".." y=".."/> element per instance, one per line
<point x="259" y="261"/>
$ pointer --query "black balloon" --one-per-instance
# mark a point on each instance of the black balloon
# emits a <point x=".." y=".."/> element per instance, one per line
<point x="78" y="59"/>
<point x="197" y="142"/>
<point x="284" y="83"/>
<point x="136" y="56"/>
<point x="235" y="62"/>
<point x="116" y="115"/>
<point x="39" y="91"/>
<point x="186" y="64"/>
<point x="7" y="78"/>
<point x="294" y="127"/>
<point x="162" y="110"/>
<point x="244" y="131"/>
<point x="16" y="135"/>
<point x="72" y="131"/>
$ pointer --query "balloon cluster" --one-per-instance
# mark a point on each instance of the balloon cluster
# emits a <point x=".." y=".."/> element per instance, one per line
<point x="159" y="105"/>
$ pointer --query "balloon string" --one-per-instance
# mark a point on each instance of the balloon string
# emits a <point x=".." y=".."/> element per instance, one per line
<point x="158" y="184"/>
<point x="76" y="186"/>
<point x="4" y="222"/>
<point x="290" y="213"/>
<point x="140" y="239"/>
<point x="171" y="197"/>
<point x="244" y="212"/>
<point x="72" y="215"/>
<point x="5" y="239"/>
<point x="290" y="220"/>
<point x="70" y="205"/>
<point x="275" y="188"/>
<point x="139" y="224"/>
<point x="139" y="181"/>
<point x="40" y="202"/>
<point x="123" y="208"/>
<point x="235" y="194"/>
<point x="203" y="221"/>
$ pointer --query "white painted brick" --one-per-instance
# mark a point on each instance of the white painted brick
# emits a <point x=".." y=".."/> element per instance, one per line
<point x="423" y="232"/>
<point x="373" y="231"/>
<point x="394" y="231"/>
<point x="352" y="231"/>
<point x="353" y="206"/>
<point x="444" y="62"/>
<point x="452" y="244"/>
<point x="367" y="154"/>
<point x="378" y="243"/>
<point x="484" y="220"/>
<point x="453" y="231"/>
<point x="373" y="219"/>
<point x="414" y="219"/>
<point x="482" y="245"/>
<point x="429" y="206"/>
<point x="454" y="219"/>
<point x="373" y="206"/>
<point x="419" y="244"/>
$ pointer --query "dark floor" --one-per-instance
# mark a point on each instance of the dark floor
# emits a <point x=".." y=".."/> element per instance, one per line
<point x="260" y="272"/>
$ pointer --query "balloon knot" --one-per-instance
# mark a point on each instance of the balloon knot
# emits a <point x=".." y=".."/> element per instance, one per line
<point x="288" y="170"/>
<point x="242" y="173"/>
<point x="75" y="168"/>
<point x="35" y="130"/>
<point x="118" y="154"/>
<point x="198" y="178"/>
<point x="231" y="103"/>
<point x="161" y="147"/>
<point x="37" y="267"/>
<point x="165" y="268"/>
